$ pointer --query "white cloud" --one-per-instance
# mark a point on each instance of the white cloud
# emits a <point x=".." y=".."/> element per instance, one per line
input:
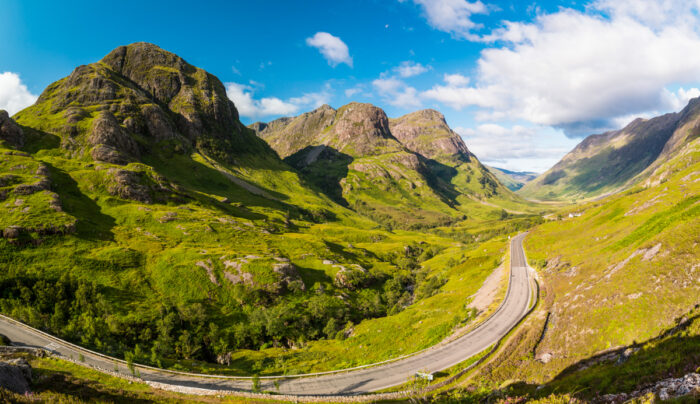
<point x="331" y="47"/>
<point x="410" y="69"/>
<point x="14" y="96"/>
<point x="583" y="71"/>
<point x="453" y="16"/>
<point x="456" y="80"/>
<point x="242" y="97"/>
<point x="352" y="91"/>
<point x="517" y="147"/>
<point x="680" y="98"/>
<point x="397" y="93"/>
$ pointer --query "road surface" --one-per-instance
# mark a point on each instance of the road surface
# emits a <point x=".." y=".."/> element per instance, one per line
<point x="359" y="381"/>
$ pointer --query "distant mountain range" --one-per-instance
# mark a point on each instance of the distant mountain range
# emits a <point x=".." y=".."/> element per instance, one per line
<point x="513" y="180"/>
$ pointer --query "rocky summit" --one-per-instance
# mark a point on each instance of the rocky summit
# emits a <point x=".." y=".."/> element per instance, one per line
<point x="137" y="99"/>
<point x="384" y="167"/>
<point x="426" y="132"/>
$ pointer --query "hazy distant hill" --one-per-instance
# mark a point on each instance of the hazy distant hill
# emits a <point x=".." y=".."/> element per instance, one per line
<point x="513" y="180"/>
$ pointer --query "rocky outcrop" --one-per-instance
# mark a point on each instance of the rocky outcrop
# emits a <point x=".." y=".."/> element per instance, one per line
<point x="289" y="276"/>
<point x="137" y="186"/>
<point x="15" y="375"/>
<point x="10" y="132"/>
<point x="667" y="389"/>
<point x="350" y="278"/>
<point x="426" y="132"/>
<point x="110" y="141"/>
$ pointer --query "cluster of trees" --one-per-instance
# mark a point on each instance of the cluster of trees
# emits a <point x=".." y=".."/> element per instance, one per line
<point x="79" y="311"/>
<point x="155" y="330"/>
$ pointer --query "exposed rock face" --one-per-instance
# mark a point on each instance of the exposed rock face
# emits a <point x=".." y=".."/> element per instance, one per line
<point x="142" y="91"/>
<point x="666" y="389"/>
<point x="290" y="277"/>
<point x="10" y="132"/>
<point x="289" y="135"/>
<point x="355" y="129"/>
<point x="135" y="186"/>
<point x="111" y="142"/>
<point x="362" y="128"/>
<point x="426" y="132"/>
<point x="202" y="111"/>
<point x="15" y="375"/>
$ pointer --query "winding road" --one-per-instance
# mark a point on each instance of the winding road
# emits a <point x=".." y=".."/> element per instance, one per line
<point x="359" y="381"/>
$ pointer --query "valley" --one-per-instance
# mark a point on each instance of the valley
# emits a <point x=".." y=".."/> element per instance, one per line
<point x="147" y="232"/>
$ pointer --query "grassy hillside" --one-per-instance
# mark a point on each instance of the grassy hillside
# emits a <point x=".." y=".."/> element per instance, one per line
<point x="616" y="160"/>
<point x="143" y="220"/>
<point x="389" y="169"/>
<point x="619" y="307"/>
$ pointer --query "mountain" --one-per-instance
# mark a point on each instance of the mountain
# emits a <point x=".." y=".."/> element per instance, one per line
<point x="426" y="132"/>
<point x="141" y="219"/>
<point x="615" y="160"/>
<point x="409" y="171"/>
<point x="513" y="180"/>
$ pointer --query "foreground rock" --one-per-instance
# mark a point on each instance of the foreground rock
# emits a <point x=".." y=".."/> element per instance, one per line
<point x="15" y="375"/>
<point x="664" y="390"/>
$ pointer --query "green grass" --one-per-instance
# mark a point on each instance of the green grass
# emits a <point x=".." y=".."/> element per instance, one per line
<point x="623" y="274"/>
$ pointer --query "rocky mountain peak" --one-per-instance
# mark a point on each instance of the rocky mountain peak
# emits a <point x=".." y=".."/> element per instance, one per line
<point x="150" y="94"/>
<point x="356" y="122"/>
<point x="426" y="132"/>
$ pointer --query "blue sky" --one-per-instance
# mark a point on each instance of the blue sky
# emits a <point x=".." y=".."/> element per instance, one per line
<point x="523" y="82"/>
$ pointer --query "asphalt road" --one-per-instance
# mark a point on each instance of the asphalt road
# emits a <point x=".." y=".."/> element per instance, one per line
<point x="353" y="382"/>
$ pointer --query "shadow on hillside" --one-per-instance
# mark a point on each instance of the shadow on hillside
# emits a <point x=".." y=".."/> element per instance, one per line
<point x="92" y="224"/>
<point x="322" y="167"/>
<point x="623" y="370"/>
<point x="36" y="140"/>
<point x="235" y="196"/>
<point x="617" y="163"/>
<point x="82" y="389"/>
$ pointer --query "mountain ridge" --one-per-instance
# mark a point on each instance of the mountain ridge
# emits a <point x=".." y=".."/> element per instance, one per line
<point x="612" y="161"/>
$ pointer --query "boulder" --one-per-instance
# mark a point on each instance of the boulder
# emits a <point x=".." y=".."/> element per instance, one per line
<point x="111" y="142"/>
<point x="10" y="132"/>
<point x="12" y="232"/>
<point x="15" y="375"/>
<point x="290" y="277"/>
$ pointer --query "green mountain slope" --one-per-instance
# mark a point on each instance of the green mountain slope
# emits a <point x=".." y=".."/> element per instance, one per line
<point x="389" y="170"/>
<point x="615" y="160"/>
<point x="620" y="290"/>
<point x="142" y="219"/>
